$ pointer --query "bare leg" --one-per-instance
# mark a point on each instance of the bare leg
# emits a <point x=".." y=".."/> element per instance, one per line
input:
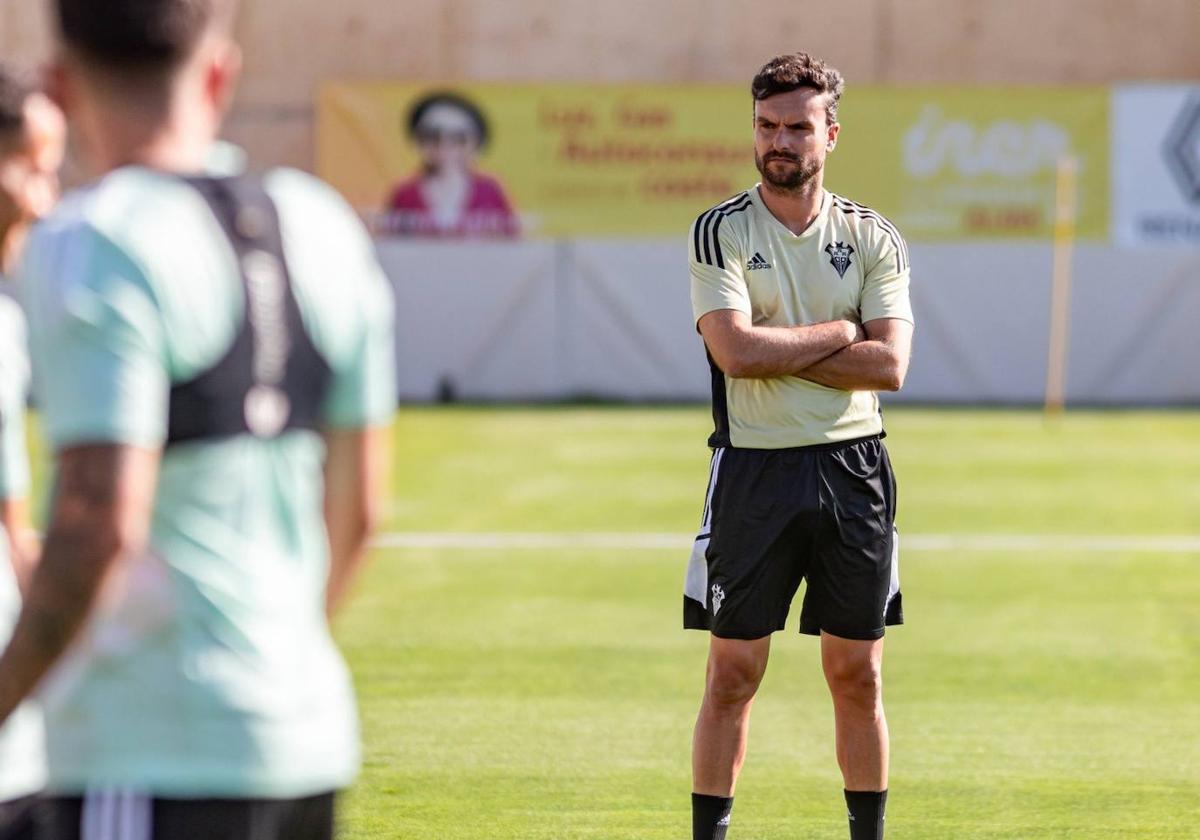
<point x="853" y="670"/>
<point x="735" y="669"/>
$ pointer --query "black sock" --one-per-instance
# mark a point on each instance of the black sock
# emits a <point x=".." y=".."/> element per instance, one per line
<point x="866" y="814"/>
<point x="710" y="816"/>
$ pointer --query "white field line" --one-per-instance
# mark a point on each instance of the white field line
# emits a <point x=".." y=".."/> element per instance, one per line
<point x="534" y="540"/>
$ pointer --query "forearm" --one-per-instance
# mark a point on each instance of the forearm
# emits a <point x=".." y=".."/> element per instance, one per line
<point x="865" y="366"/>
<point x="766" y="352"/>
<point x="101" y="512"/>
<point x="58" y="601"/>
<point x="355" y="485"/>
<point x="347" y="553"/>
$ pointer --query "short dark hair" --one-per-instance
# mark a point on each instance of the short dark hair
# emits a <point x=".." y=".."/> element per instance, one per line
<point x="786" y="73"/>
<point x="421" y="107"/>
<point x="136" y="34"/>
<point x="16" y="86"/>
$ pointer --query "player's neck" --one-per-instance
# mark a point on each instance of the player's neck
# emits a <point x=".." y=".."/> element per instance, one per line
<point x="169" y="143"/>
<point x="795" y="209"/>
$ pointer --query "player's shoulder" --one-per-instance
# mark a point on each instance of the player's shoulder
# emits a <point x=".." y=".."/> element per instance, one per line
<point x="287" y="184"/>
<point x="725" y="222"/>
<point x="322" y="235"/>
<point x="869" y="225"/>
<point x="724" y="210"/>
<point x="124" y="199"/>
<point x="306" y="204"/>
<point x="126" y="208"/>
<point x="75" y="214"/>
<point x="89" y="219"/>
<point x="861" y="215"/>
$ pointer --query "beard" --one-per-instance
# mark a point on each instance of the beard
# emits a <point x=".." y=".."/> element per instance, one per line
<point x="791" y="178"/>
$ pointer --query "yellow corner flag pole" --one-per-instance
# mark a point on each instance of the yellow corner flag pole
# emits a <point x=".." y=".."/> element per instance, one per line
<point x="1060" y="284"/>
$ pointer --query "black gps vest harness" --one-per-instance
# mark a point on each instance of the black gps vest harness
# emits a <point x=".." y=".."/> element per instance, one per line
<point x="272" y="379"/>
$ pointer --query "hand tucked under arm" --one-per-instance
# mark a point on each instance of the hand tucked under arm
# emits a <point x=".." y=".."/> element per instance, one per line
<point x="878" y="363"/>
<point x="744" y="351"/>
<point x="101" y="512"/>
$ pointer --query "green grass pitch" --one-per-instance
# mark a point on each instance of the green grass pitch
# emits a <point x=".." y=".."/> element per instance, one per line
<point x="550" y="693"/>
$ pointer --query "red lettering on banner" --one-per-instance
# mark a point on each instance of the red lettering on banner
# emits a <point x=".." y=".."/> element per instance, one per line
<point x="566" y="116"/>
<point x="1012" y="219"/>
<point x="636" y="116"/>
<point x="619" y="150"/>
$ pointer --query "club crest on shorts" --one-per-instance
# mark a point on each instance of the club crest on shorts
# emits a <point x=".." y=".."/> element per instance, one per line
<point x="839" y="257"/>
<point x="718" y="595"/>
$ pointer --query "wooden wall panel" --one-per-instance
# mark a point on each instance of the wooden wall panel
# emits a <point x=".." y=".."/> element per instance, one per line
<point x="291" y="45"/>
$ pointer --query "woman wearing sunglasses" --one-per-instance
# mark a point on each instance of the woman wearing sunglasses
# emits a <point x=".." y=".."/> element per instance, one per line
<point x="448" y="197"/>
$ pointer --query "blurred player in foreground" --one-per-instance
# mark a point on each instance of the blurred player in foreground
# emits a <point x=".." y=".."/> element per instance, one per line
<point x="802" y="299"/>
<point x="31" y="150"/>
<point x="212" y="355"/>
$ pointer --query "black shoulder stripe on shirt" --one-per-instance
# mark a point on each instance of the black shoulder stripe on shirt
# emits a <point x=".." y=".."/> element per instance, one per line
<point x="705" y="222"/>
<point x="852" y="208"/>
<point x="696" y="236"/>
<point x="854" y="205"/>
<point x="716" y="226"/>
<point x="893" y="231"/>
<point x="707" y="226"/>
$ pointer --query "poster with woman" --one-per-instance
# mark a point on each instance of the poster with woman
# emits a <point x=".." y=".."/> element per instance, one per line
<point x="448" y="195"/>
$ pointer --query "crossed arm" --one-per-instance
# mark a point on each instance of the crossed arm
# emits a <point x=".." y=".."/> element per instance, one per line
<point x="837" y="354"/>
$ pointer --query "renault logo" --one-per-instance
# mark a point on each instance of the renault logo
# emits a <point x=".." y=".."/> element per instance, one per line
<point x="1182" y="149"/>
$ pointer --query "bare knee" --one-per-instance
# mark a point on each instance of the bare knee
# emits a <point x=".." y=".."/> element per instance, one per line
<point x="733" y="680"/>
<point x="856" y="683"/>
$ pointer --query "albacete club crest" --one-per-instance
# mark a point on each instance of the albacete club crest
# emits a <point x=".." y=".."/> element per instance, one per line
<point x="839" y="257"/>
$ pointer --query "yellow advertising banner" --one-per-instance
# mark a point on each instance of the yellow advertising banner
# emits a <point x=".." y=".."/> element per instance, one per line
<point x="562" y="160"/>
<point x="967" y="163"/>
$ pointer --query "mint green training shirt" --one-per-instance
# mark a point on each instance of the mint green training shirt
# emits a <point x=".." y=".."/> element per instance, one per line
<point x="22" y="756"/>
<point x="208" y="668"/>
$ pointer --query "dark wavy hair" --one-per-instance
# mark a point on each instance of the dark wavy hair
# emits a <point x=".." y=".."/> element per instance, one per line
<point x="786" y="73"/>
<point x="138" y="34"/>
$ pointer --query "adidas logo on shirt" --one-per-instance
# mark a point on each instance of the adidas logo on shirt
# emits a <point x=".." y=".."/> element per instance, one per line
<point x="757" y="261"/>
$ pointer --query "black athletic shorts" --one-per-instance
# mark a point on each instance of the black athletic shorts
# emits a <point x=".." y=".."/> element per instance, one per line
<point x="17" y="818"/>
<point x="773" y="517"/>
<point x="123" y="815"/>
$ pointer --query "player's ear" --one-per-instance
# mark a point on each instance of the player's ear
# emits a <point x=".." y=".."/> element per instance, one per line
<point x="56" y="82"/>
<point x="221" y="75"/>
<point x="47" y="132"/>
<point x="831" y="136"/>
